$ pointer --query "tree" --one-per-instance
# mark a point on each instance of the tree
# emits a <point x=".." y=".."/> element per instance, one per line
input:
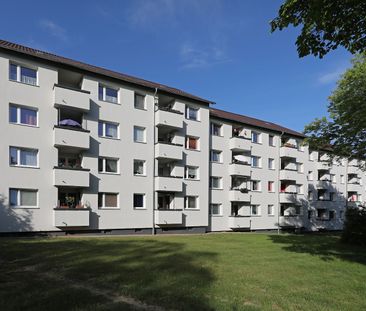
<point x="345" y="129"/>
<point x="327" y="24"/>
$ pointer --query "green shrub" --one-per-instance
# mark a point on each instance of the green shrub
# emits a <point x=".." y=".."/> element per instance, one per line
<point x="354" y="231"/>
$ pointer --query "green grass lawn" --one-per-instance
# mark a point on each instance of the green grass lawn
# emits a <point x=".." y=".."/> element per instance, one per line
<point x="198" y="272"/>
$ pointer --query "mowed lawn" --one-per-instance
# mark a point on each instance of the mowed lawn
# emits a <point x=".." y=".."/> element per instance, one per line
<point x="194" y="272"/>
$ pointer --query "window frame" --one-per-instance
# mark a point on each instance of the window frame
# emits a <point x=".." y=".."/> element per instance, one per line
<point x="18" y="151"/>
<point x="188" y="109"/>
<point x="104" y="126"/>
<point x="144" y="101"/>
<point x="18" y="205"/>
<point x="220" y="214"/>
<point x="212" y="126"/>
<point x="272" y="213"/>
<point x="104" y="165"/>
<point x="103" y="200"/>
<point x="258" y="135"/>
<point x="258" y="211"/>
<point x="219" y="152"/>
<point x="273" y="167"/>
<point x="143" y="207"/>
<point x="135" y="129"/>
<point x="186" y="201"/>
<point x="19" y="114"/>
<point x="258" y="182"/>
<point x="104" y="92"/>
<point x="188" y="137"/>
<point x="186" y="174"/>
<point x="19" y="74"/>
<point x="271" y="138"/>
<point x="259" y="161"/>
<point x="143" y="167"/>
<point x="271" y="189"/>
<point x="219" y="179"/>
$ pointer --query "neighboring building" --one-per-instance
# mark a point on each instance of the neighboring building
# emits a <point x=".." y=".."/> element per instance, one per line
<point x="89" y="149"/>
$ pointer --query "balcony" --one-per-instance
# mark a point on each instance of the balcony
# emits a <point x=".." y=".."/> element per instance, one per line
<point x="238" y="169"/>
<point x="168" y="217"/>
<point x="291" y="221"/>
<point x="291" y="197"/>
<point x="169" y="184"/>
<point x="323" y="165"/>
<point x="70" y="177"/>
<point x="71" y="137"/>
<point x="71" y="217"/>
<point x="289" y="175"/>
<point x="70" y="97"/>
<point x="239" y="144"/>
<point x="353" y="170"/>
<point x="354" y="187"/>
<point x="239" y="222"/>
<point x="288" y="151"/>
<point x="168" y="151"/>
<point x="239" y="196"/>
<point x="169" y="117"/>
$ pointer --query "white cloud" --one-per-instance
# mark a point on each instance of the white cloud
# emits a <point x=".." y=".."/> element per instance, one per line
<point x="332" y="76"/>
<point x="54" y="30"/>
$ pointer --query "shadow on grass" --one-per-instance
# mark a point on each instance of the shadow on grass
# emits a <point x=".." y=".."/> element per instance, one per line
<point x="326" y="246"/>
<point x="154" y="271"/>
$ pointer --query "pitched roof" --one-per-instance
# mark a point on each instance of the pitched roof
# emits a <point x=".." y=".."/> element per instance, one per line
<point x="221" y="114"/>
<point x="13" y="47"/>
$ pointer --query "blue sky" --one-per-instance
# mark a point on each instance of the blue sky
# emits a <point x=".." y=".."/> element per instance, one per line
<point x="218" y="49"/>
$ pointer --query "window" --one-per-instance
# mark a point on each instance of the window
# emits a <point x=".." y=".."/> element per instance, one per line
<point x="333" y="178"/>
<point x="215" y="156"/>
<point x="215" y="129"/>
<point x="256" y="161"/>
<point x="191" y="172"/>
<point x="254" y="210"/>
<point x="23" y="74"/>
<point x="23" y="198"/>
<point x="139" y="167"/>
<point x="256" y="185"/>
<point x="140" y="101"/>
<point x="138" y="201"/>
<point x="23" y="157"/>
<point x="191" y="202"/>
<point x="255" y="137"/>
<point x="192" y="143"/>
<point x="139" y="134"/>
<point x="216" y="209"/>
<point x="191" y="113"/>
<point x="271" y="186"/>
<point x="271" y="164"/>
<point x="108" y="94"/>
<point x="108" y="129"/>
<point x="107" y="200"/>
<point x="23" y="115"/>
<point x="215" y="182"/>
<point x="270" y="209"/>
<point x="271" y="141"/>
<point x="108" y="165"/>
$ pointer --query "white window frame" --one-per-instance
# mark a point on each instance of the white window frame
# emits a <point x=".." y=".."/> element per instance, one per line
<point x="219" y="180"/>
<point x="144" y="101"/>
<point x="188" y="108"/>
<point x="104" y="124"/>
<point x="104" y="171"/>
<point x="143" y="167"/>
<point x="196" y="168"/>
<point x="219" y="152"/>
<point x="143" y="207"/>
<point x="103" y="200"/>
<point x="104" y="94"/>
<point x="19" y="150"/>
<point x="219" y="208"/>
<point x="19" y="112"/>
<point x="197" y="142"/>
<point x="18" y="198"/>
<point x="259" y="161"/>
<point x="186" y="200"/>
<point x="19" y="78"/>
<point x="140" y="128"/>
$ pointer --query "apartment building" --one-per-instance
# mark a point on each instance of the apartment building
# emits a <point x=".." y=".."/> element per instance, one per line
<point x="88" y="149"/>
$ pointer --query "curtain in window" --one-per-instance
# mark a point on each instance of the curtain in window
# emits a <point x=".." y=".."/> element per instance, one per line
<point x="28" y="198"/>
<point x="111" y="95"/>
<point x="111" y="166"/>
<point x="28" y="157"/>
<point x="110" y="200"/>
<point x="28" y="75"/>
<point x="111" y="130"/>
<point x="192" y="143"/>
<point x="28" y="116"/>
<point x="139" y="101"/>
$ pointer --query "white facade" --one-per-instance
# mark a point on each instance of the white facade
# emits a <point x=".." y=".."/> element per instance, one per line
<point x="139" y="158"/>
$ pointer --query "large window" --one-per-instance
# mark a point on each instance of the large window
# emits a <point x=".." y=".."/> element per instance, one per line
<point x="215" y="156"/>
<point x="216" y="209"/>
<point x="191" y="202"/>
<point x="140" y="102"/>
<point x="216" y="129"/>
<point x="139" y="134"/>
<point x="192" y="143"/>
<point x="139" y="201"/>
<point x="107" y="200"/>
<point x="108" y="165"/>
<point x="108" y="94"/>
<point x="139" y="167"/>
<point x="23" y="115"/>
<point x="23" y="198"/>
<point x="191" y="172"/>
<point x="108" y="129"/>
<point x="192" y="113"/>
<point x="23" y="74"/>
<point x="23" y="157"/>
<point x="215" y="182"/>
